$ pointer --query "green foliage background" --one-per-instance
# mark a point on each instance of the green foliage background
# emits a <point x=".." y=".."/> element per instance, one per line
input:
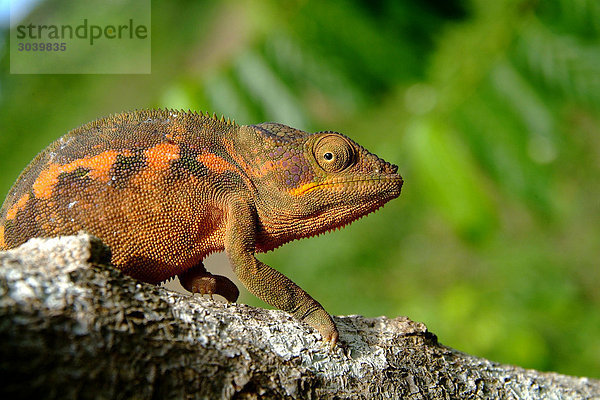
<point x="490" y="108"/>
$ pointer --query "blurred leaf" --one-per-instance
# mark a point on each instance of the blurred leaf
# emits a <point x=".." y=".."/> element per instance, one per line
<point x="450" y="179"/>
<point x="565" y="64"/>
<point x="259" y="79"/>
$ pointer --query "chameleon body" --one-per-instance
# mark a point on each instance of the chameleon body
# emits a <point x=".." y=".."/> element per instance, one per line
<point x="164" y="189"/>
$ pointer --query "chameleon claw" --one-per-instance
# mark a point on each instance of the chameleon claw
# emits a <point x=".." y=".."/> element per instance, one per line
<point x="320" y="320"/>
<point x="333" y="340"/>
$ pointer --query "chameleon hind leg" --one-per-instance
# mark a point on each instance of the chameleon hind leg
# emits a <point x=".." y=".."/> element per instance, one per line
<point x="199" y="280"/>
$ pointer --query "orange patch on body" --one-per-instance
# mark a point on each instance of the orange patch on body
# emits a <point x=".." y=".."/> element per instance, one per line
<point x="2" y="242"/>
<point x="19" y="205"/>
<point x="215" y="163"/>
<point x="160" y="156"/>
<point x="98" y="165"/>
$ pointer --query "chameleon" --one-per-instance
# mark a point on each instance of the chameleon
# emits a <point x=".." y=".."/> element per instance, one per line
<point x="166" y="188"/>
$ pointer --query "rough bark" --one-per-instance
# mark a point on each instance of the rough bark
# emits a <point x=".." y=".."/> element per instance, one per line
<point x="72" y="327"/>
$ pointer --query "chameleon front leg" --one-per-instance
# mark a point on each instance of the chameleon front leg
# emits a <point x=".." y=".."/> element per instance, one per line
<point x="198" y="280"/>
<point x="264" y="282"/>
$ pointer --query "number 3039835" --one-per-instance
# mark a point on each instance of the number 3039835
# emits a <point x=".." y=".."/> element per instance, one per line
<point x="41" y="46"/>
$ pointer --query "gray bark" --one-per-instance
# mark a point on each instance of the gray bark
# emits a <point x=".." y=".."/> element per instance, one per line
<point x="72" y="327"/>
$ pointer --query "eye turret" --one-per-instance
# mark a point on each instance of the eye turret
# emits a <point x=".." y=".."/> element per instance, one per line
<point x="333" y="153"/>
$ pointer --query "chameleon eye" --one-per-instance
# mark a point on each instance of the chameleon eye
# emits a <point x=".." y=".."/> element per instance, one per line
<point x="333" y="153"/>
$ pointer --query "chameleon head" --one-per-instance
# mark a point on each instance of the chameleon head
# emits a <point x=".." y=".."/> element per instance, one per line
<point x="317" y="182"/>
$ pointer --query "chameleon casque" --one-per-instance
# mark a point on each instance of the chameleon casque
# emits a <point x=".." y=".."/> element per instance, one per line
<point x="164" y="189"/>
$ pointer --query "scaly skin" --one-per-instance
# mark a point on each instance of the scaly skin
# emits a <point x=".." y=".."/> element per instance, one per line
<point x="166" y="188"/>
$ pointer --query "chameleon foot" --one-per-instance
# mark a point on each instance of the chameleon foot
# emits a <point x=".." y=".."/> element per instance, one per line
<point x="204" y="282"/>
<point x="322" y="322"/>
<point x="331" y="338"/>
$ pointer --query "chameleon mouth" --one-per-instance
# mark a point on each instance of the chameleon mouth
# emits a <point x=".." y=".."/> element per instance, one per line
<point x="309" y="187"/>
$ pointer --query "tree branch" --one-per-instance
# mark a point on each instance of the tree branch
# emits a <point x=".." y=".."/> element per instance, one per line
<point x="72" y="327"/>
